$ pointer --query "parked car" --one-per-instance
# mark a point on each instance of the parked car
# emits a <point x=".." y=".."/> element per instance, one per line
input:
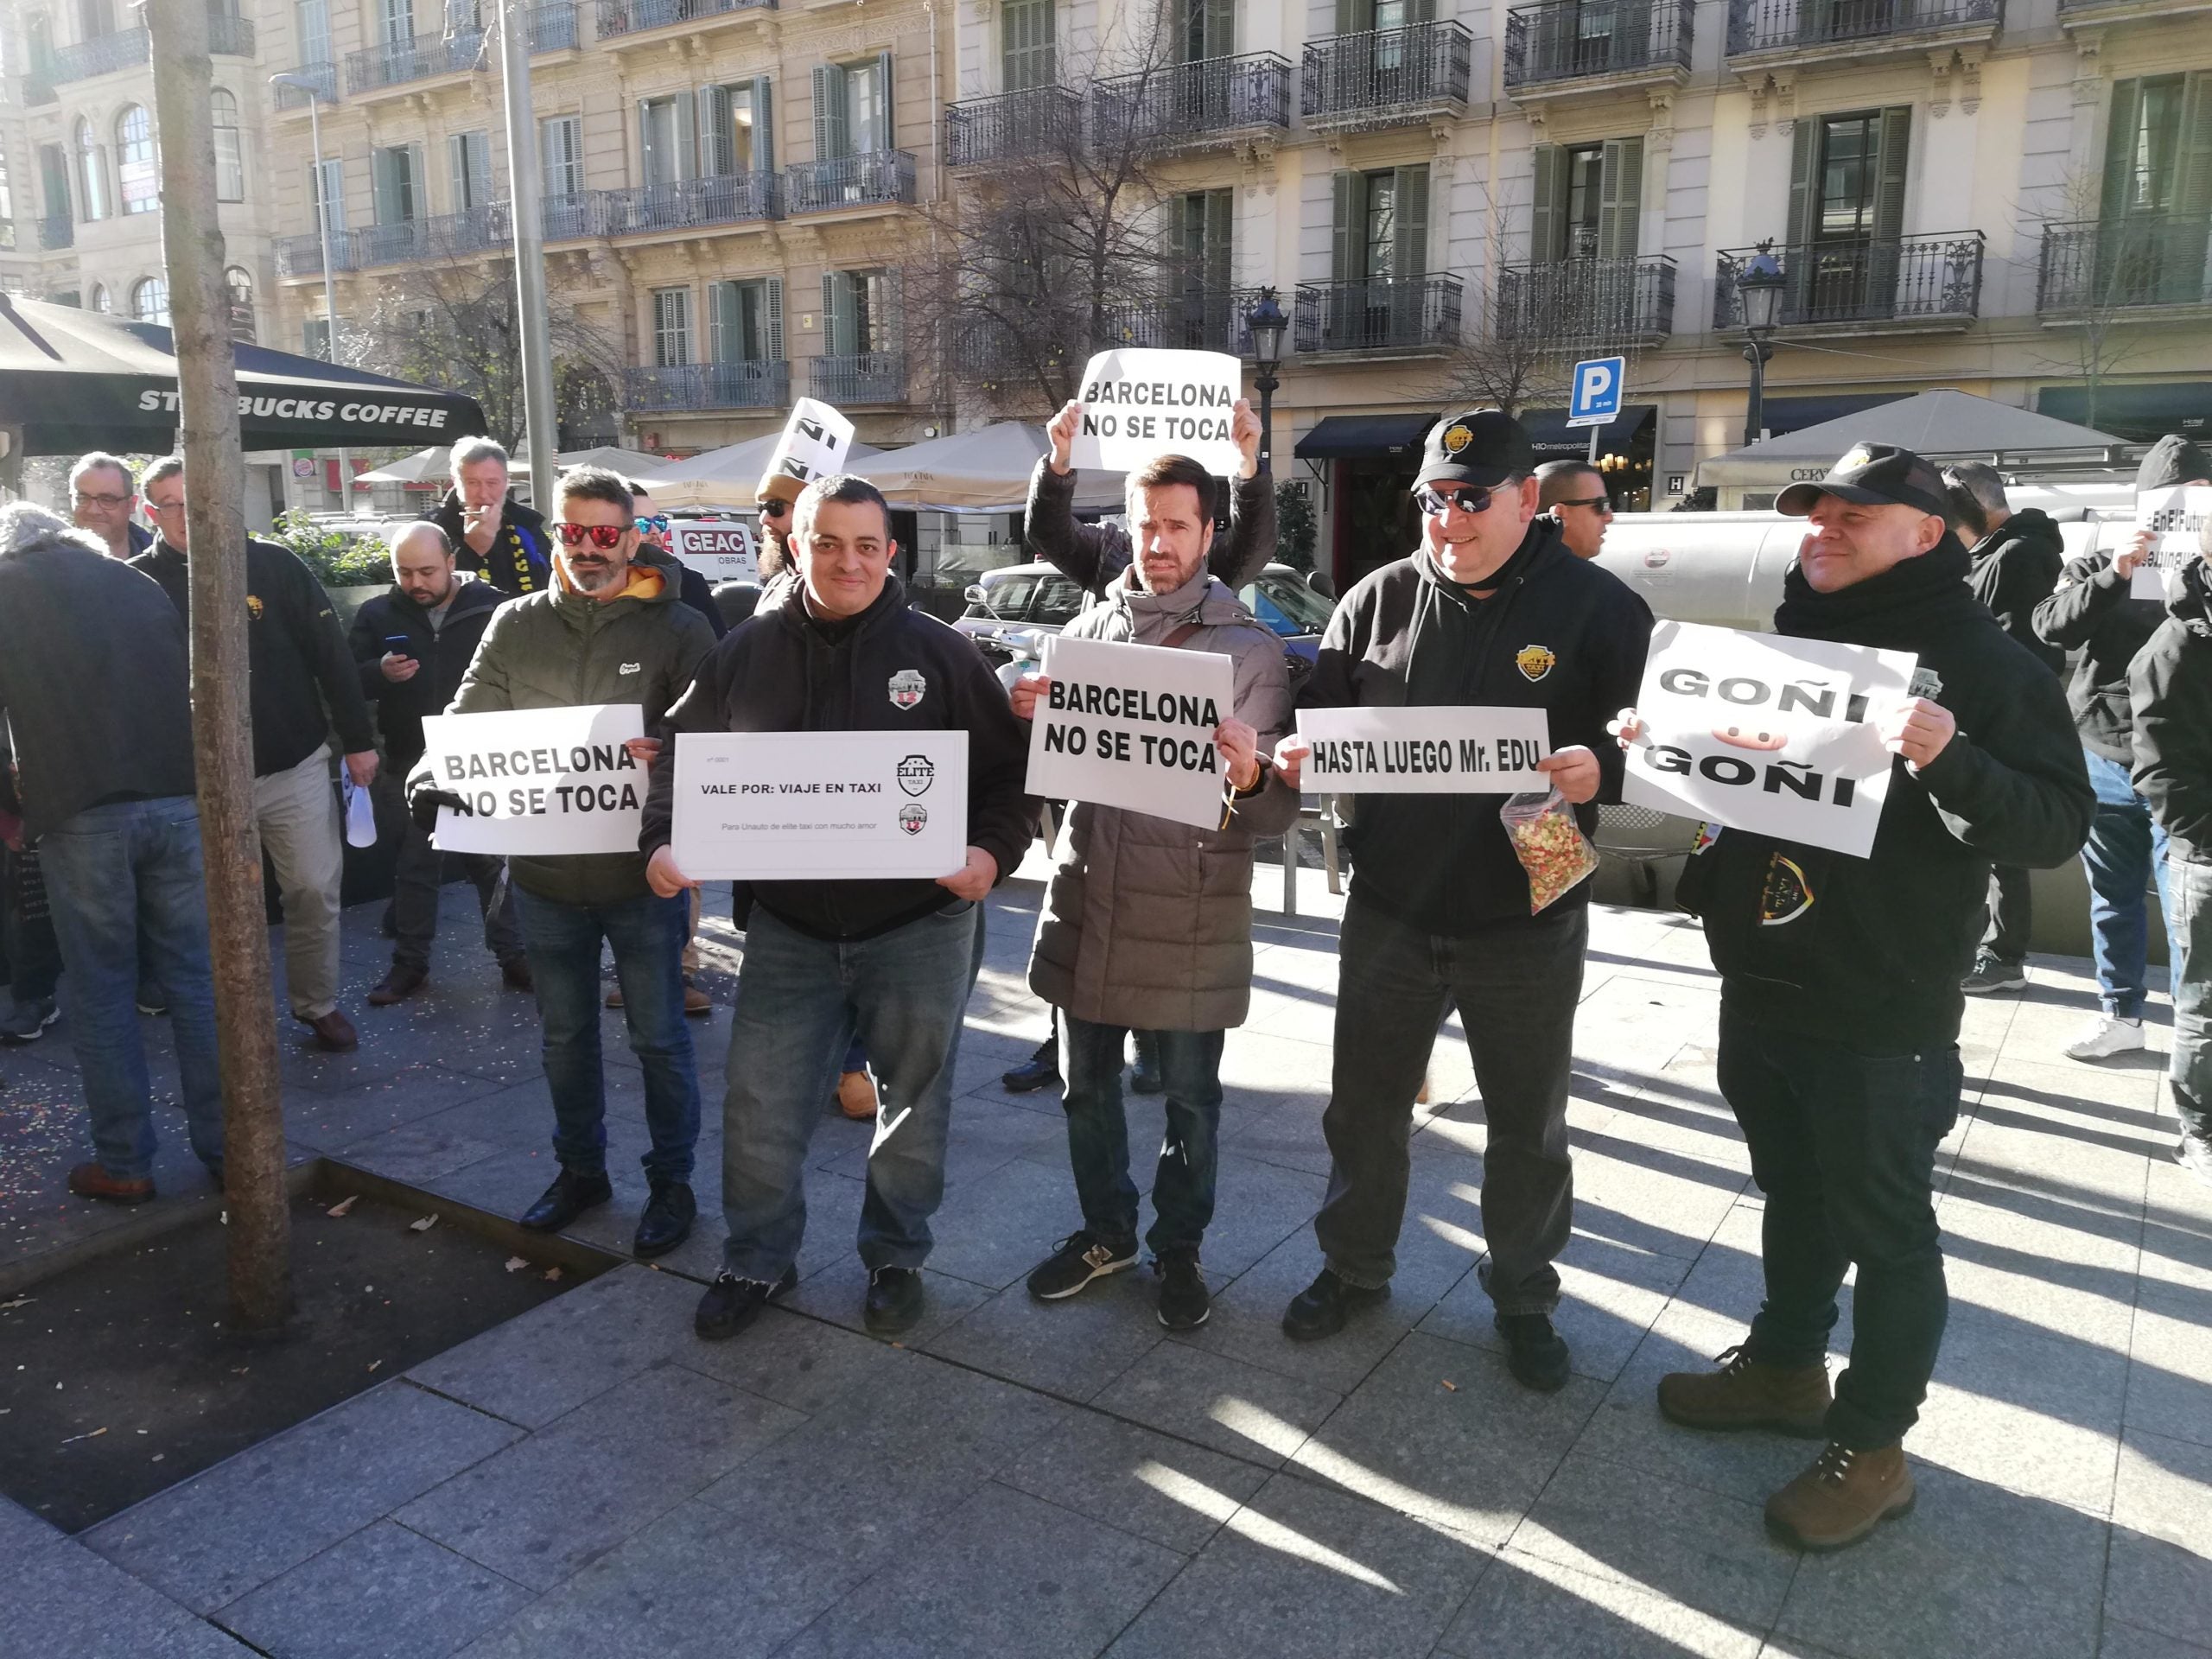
<point x="1011" y="612"/>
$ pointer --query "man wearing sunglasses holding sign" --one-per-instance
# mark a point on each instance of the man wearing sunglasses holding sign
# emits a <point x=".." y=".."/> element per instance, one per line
<point x="1493" y="610"/>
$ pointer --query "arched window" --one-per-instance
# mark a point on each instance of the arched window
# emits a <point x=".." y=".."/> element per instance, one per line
<point x="239" y="282"/>
<point x="149" y="300"/>
<point x="91" y="173"/>
<point x="135" y="170"/>
<point x="230" y="153"/>
<point x="102" y="299"/>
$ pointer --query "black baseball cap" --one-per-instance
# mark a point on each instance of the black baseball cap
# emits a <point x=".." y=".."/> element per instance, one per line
<point x="1484" y="447"/>
<point x="1874" y="475"/>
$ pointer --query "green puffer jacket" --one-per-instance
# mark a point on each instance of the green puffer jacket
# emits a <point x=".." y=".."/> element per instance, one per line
<point x="559" y="649"/>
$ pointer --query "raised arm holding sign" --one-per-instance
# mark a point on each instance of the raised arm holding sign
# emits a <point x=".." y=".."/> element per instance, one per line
<point x="1144" y="402"/>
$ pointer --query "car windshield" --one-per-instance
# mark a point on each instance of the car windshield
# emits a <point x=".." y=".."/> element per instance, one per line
<point x="1009" y="599"/>
<point x="1059" y="601"/>
<point x="1287" y="604"/>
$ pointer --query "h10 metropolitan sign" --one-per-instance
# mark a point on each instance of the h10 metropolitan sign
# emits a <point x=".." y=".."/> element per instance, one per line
<point x="839" y="806"/>
<point x="1145" y="402"/>
<point x="1429" y="750"/>
<point x="1132" y="726"/>
<point x="538" y="781"/>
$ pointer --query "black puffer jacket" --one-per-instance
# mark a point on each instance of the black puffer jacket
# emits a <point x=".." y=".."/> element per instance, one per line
<point x="444" y="653"/>
<point x="2014" y="569"/>
<point x="2171" y="681"/>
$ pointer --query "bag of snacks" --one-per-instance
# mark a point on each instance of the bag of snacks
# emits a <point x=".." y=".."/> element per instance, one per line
<point x="1549" y="842"/>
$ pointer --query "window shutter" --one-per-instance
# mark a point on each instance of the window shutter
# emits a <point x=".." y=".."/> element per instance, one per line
<point x="1221" y="28"/>
<point x="775" y="319"/>
<point x="687" y="135"/>
<point x="1547" y="205"/>
<point x="384" y="192"/>
<point x="725" y="333"/>
<point x="1347" y="217"/>
<point x="1220" y="239"/>
<point x="1355" y="16"/>
<point x="1620" y="197"/>
<point x="715" y="133"/>
<point x="764" y="127"/>
<point x="1411" y="198"/>
<point x="893" y="323"/>
<point x="2193" y="199"/>
<point x="1804" y="198"/>
<point x="887" y="113"/>
<point x="645" y="141"/>
<point x="828" y="112"/>
<point x="2119" y="147"/>
<point x="1891" y="154"/>
<point x="457" y="164"/>
<point x="1421" y="11"/>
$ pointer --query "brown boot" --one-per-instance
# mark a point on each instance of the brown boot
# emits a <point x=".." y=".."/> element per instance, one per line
<point x="856" y="1095"/>
<point x="402" y="981"/>
<point x="90" y="1181"/>
<point x="1747" y="1393"/>
<point x="1842" y="1498"/>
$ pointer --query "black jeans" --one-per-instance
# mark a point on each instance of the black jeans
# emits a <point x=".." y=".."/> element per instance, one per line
<point x="2012" y="914"/>
<point x="419" y="873"/>
<point x="1098" y="1133"/>
<point x="1843" y="1145"/>
<point x="27" y="928"/>
<point x="1516" y="985"/>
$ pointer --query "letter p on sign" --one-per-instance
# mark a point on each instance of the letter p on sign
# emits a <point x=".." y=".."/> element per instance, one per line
<point x="1596" y="398"/>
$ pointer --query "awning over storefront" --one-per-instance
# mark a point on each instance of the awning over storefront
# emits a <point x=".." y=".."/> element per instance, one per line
<point x="2139" y="414"/>
<point x="1341" y="437"/>
<point x="1553" y="437"/>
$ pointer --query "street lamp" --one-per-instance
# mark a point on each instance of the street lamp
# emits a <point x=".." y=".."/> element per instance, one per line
<point x="1266" y="323"/>
<point x="301" y="84"/>
<point x="1758" y="284"/>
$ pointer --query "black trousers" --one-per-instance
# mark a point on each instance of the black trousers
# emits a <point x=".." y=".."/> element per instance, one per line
<point x="2011" y="913"/>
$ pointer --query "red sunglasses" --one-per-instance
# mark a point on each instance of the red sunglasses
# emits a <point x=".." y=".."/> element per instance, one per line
<point x="601" y="535"/>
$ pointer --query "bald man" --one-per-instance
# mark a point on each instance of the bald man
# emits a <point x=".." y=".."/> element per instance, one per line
<point x="1573" y="493"/>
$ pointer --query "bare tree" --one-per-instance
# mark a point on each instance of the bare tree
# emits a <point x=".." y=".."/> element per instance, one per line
<point x="2097" y="274"/>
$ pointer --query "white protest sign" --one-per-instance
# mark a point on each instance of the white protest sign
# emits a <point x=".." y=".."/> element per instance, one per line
<point x="816" y="440"/>
<point x="1424" y="751"/>
<point x="538" y="780"/>
<point x="1144" y="402"/>
<point x="1132" y="726"/>
<point x="835" y="806"/>
<point x="1765" y="734"/>
<point x="2175" y="518"/>
<point x="721" y="550"/>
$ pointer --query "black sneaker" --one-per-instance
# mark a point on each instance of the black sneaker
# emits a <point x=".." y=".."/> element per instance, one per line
<point x="2194" y="1153"/>
<point x="1184" y="1303"/>
<point x="1535" y="1354"/>
<point x="1319" y="1309"/>
<point x="568" y="1197"/>
<point x="1040" y="1071"/>
<point x="895" y="1302"/>
<point x="1076" y="1261"/>
<point x="1992" y="973"/>
<point x="732" y="1303"/>
<point x="1146" y="1078"/>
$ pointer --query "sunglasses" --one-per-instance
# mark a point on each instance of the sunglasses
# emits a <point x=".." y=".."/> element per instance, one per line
<point x="1468" y="497"/>
<point x="1596" y="503"/>
<point x="775" y="509"/>
<point x="603" y="536"/>
<point x="653" y="525"/>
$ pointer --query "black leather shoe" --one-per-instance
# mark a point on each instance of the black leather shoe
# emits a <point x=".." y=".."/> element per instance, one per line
<point x="732" y="1303"/>
<point x="667" y="1220"/>
<point x="1535" y="1354"/>
<point x="1040" y="1071"/>
<point x="568" y="1197"/>
<point x="1147" y="1079"/>
<point x="1319" y="1309"/>
<point x="894" y="1301"/>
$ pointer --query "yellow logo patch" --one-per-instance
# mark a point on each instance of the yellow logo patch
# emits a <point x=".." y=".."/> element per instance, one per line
<point x="1857" y="458"/>
<point x="1457" y="436"/>
<point x="253" y="607"/>
<point x="1534" y="661"/>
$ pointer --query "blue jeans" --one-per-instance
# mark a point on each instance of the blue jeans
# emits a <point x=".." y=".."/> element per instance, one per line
<point x="562" y="943"/>
<point x="128" y="901"/>
<point x="2125" y="851"/>
<point x="2189" y="1070"/>
<point x="1098" y="1133"/>
<point x="800" y="1003"/>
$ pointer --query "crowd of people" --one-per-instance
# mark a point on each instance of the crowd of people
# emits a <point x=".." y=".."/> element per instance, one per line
<point x="1841" y="1008"/>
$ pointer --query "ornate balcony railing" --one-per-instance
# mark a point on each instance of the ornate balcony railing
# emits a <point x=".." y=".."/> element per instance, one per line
<point x="301" y="256"/>
<point x="57" y="232"/>
<point x="1385" y="76"/>
<point x="1597" y="300"/>
<point x="478" y="230"/>
<point x="552" y="27"/>
<point x="1388" y="314"/>
<point x="1012" y="127"/>
<point x="1915" y="281"/>
<point x="887" y="175"/>
<point x="1572" y="40"/>
<point x="102" y="54"/>
<point x="1191" y="320"/>
<point x="2102" y="265"/>
<point x="1779" y="25"/>
<point x="864" y="377"/>
<point x="730" y="199"/>
<point x="376" y="67"/>
<point x="229" y="35"/>
<point x="323" y="77"/>
<point x="588" y="213"/>
<point x="760" y="384"/>
<point x="630" y="16"/>
<point x="1180" y="103"/>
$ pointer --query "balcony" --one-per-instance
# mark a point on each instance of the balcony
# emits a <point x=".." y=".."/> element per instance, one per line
<point x="1386" y="77"/>
<point x="301" y="256"/>
<point x="1563" y="48"/>
<point x="2087" y="13"/>
<point x="57" y="233"/>
<point x="1187" y="105"/>
<point x="1193" y="319"/>
<point x="323" y="77"/>
<point x="102" y="54"/>
<point x="754" y="384"/>
<point x="1923" y="283"/>
<point x="1587" y="301"/>
<point x="732" y="198"/>
<point x="2096" y="269"/>
<point x="588" y="213"/>
<point x="1040" y="122"/>
<point x="864" y="377"/>
<point x="552" y="27"/>
<point x="1765" y="33"/>
<point x="1385" y="317"/>
<point x="378" y="68"/>
<point x="619" y="17"/>
<point x="887" y="176"/>
<point x="448" y="236"/>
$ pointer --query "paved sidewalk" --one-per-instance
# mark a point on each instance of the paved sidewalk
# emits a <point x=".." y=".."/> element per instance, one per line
<point x="1032" y="1481"/>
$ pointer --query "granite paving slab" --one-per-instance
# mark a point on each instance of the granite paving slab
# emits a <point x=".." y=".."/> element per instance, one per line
<point x="1133" y="1478"/>
<point x="383" y="1594"/>
<point x="1526" y="1605"/>
<point x="60" y="1598"/>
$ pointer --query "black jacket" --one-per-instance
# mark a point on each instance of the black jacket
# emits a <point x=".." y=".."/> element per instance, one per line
<point x="95" y="685"/>
<point x="304" y="680"/>
<point x="2170" y="683"/>
<point x="2092" y="613"/>
<point x="1093" y="555"/>
<point x="693" y="589"/>
<point x="782" y="672"/>
<point x="444" y="655"/>
<point x="521" y="559"/>
<point x="1869" y="952"/>
<point x="2013" y="569"/>
<point x="1557" y="634"/>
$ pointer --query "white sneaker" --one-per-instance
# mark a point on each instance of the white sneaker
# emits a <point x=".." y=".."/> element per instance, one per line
<point x="2104" y="1036"/>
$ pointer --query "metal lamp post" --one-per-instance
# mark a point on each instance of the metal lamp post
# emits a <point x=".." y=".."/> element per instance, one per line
<point x="301" y="84"/>
<point x="1267" y="323"/>
<point x="1759" y="286"/>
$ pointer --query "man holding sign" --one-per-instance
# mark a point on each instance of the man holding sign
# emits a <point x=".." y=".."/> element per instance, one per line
<point x="1148" y="923"/>
<point x="1495" y="612"/>
<point x="1840" y="988"/>
<point x="826" y="958"/>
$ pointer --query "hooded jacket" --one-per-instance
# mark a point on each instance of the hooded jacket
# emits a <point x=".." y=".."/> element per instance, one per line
<point x="1147" y="922"/>
<point x="444" y="653"/>
<point x="1869" y="952"/>
<point x="1094" y="556"/>
<point x="782" y="670"/>
<point x="2170" y="683"/>
<point x="1558" y="633"/>
<point x="95" y="685"/>
<point x="2013" y="569"/>
<point x="562" y="650"/>
<point x="521" y="559"/>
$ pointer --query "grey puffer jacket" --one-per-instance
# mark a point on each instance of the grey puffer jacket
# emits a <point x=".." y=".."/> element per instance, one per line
<point x="1148" y="923"/>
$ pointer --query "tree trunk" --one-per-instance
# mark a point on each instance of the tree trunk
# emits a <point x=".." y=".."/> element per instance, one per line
<point x="192" y="246"/>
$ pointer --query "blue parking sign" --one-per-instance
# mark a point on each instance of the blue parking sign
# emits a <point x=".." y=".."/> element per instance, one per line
<point x="1594" y="394"/>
